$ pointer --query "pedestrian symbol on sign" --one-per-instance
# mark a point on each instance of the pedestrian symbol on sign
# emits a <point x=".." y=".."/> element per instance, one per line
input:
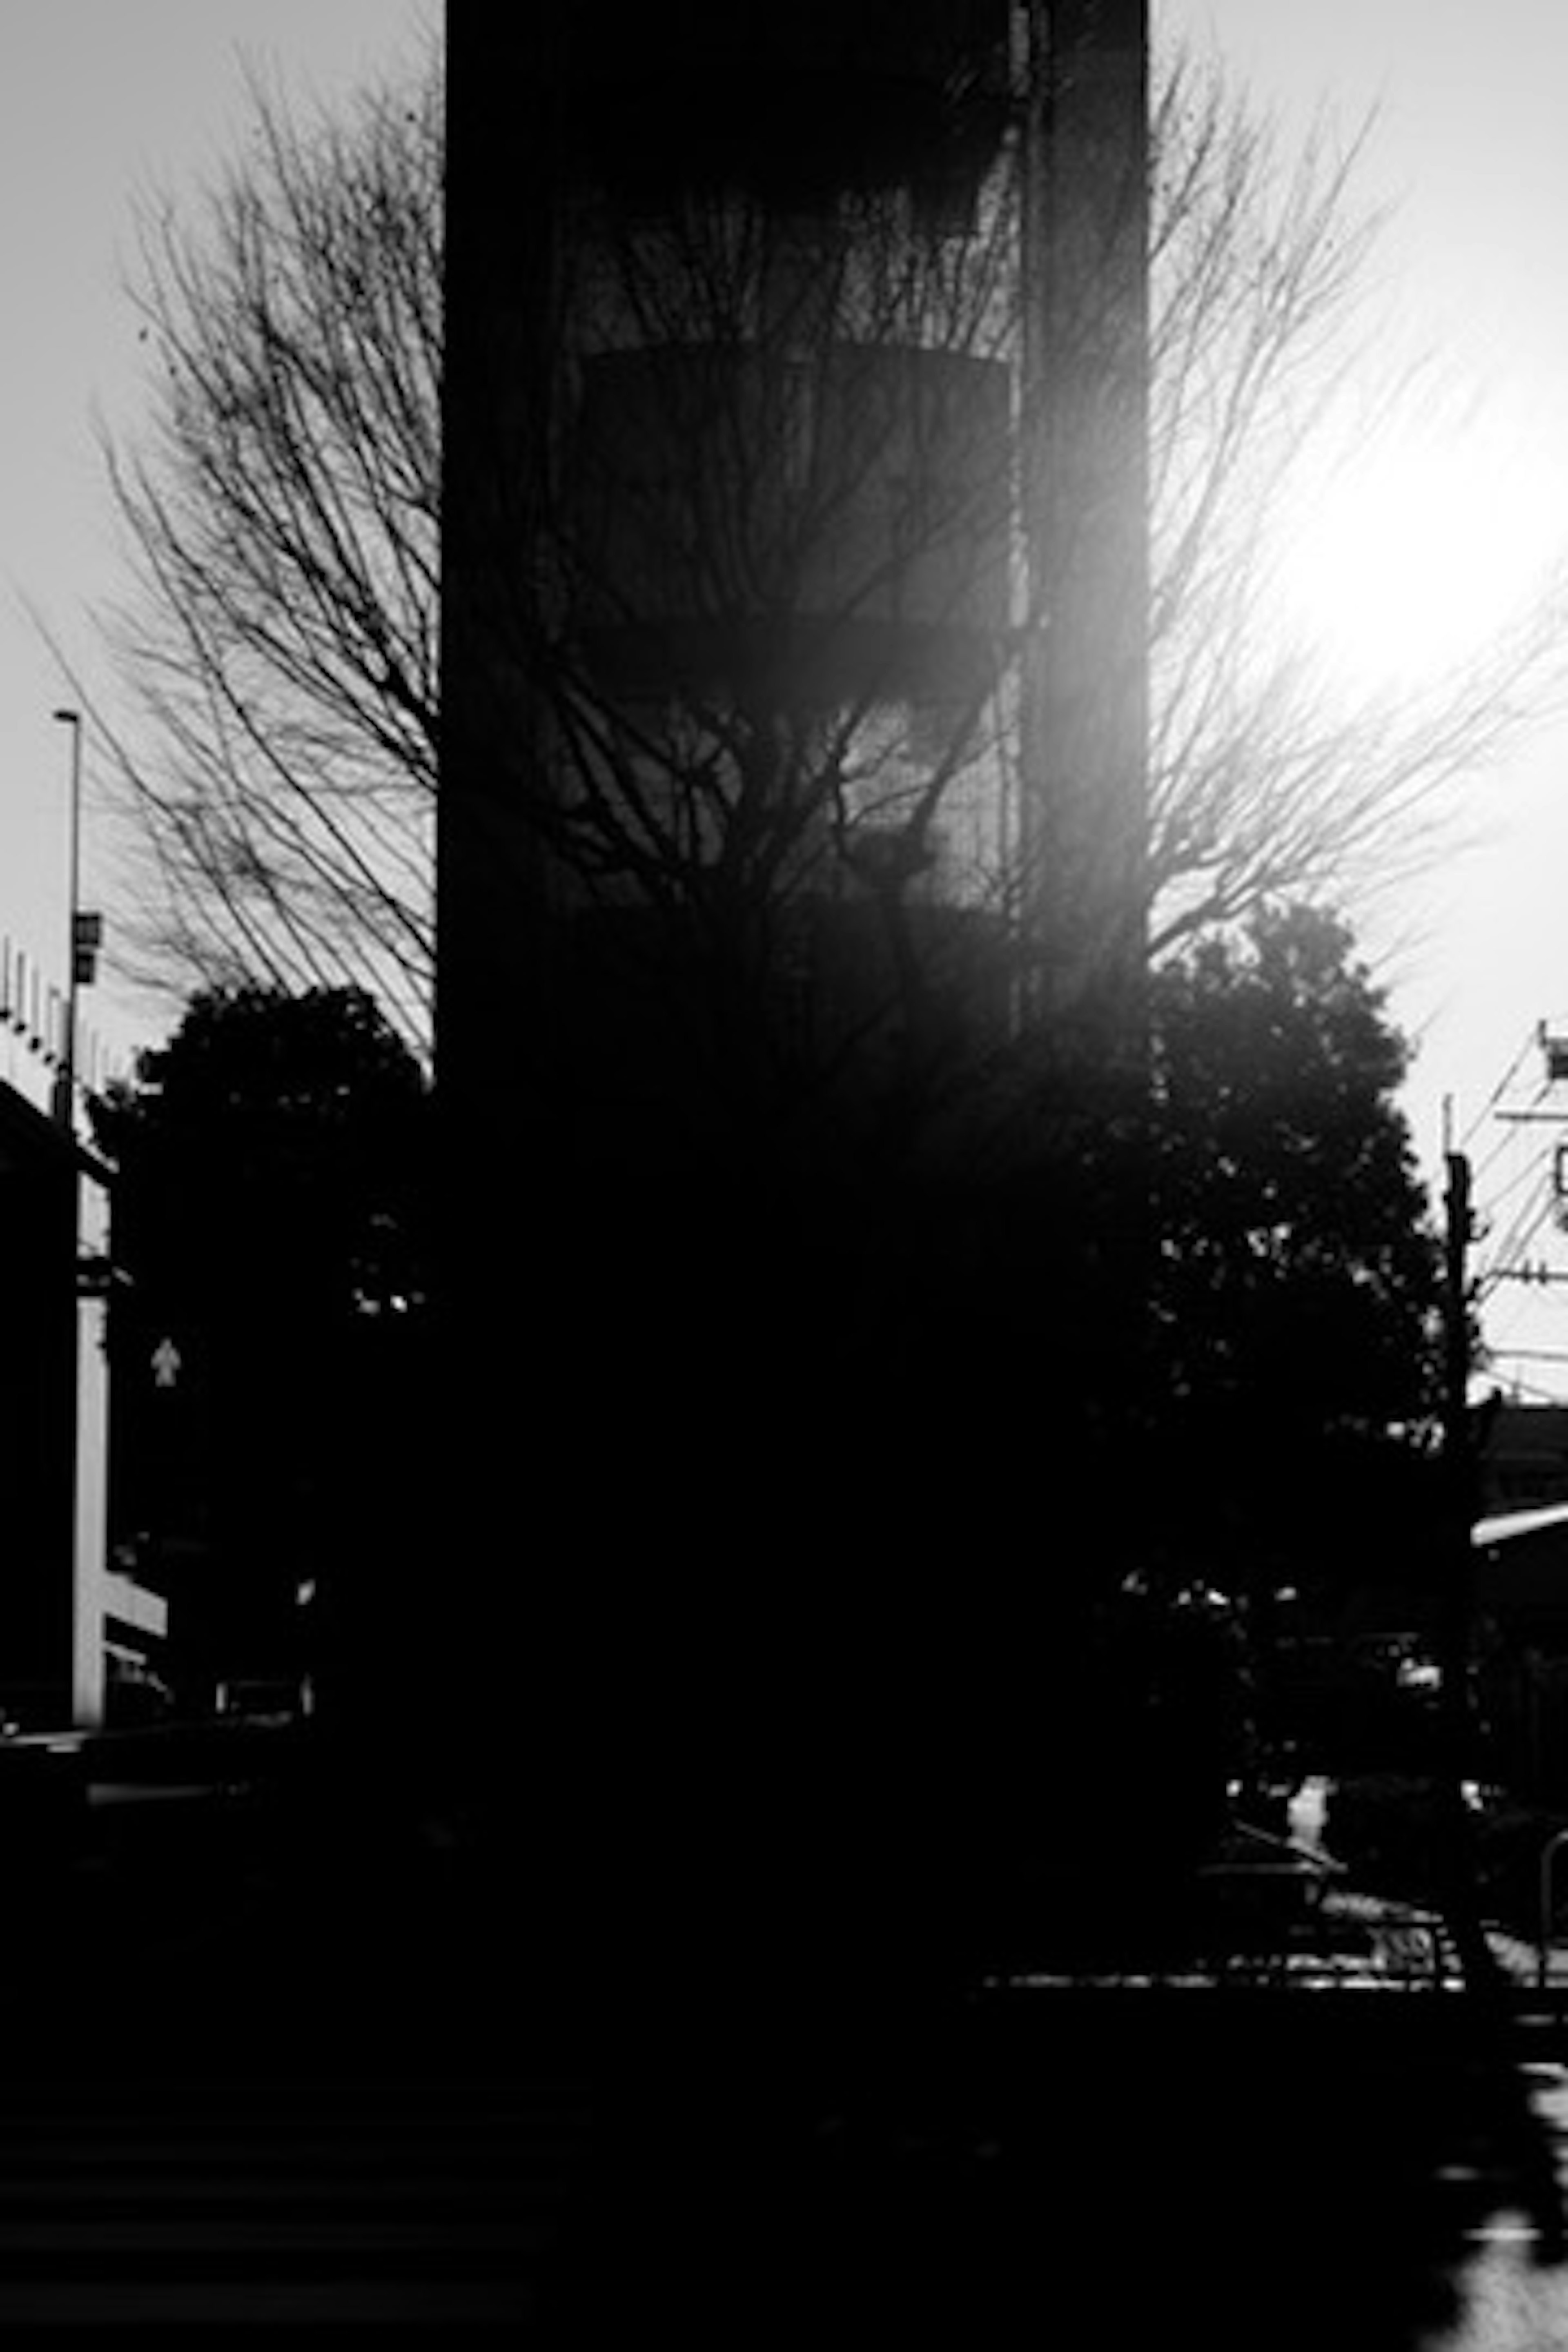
<point x="165" y="1363"/>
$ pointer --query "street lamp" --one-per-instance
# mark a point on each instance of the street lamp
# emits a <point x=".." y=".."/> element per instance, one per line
<point x="65" y="1084"/>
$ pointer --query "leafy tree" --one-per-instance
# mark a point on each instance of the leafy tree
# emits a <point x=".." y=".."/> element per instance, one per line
<point x="1297" y="1297"/>
<point x="269" y="1188"/>
<point x="1299" y="1323"/>
<point x="267" y="1145"/>
<point x="1104" y="1505"/>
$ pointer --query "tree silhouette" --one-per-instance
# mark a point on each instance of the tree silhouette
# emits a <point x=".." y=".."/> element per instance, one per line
<point x="1297" y="1298"/>
<point x="282" y="516"/>
<point x="1276" y="1429"/>
<point x="270" y="1222"/>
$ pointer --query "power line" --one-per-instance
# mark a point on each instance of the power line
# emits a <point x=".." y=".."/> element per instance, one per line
<point x="1504" y="1144"/>
<point x="1533" y="1039"/>
<point x="1520" y="1234"/>
<point x="1498" y="1346"/>
<point x="1541" y="1164"/>
<point x="1532" y="1169"/>
<point x="1510" y="1252"/>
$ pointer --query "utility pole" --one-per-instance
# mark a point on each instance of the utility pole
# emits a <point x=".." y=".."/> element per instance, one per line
<point x="1459" y="1464"/>
<point x="65" y="1084"/>
<point x="1457" y="1233"/>
<point x="87" y="1436"/>
<point x="1458" y="1443"/>
<point x="1456" y="1568"/>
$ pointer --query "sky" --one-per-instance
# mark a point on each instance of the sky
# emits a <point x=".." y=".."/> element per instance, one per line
<point x="1466" y="151"/>
<point x="102" y="102"/>
<point x="104" y="105"/>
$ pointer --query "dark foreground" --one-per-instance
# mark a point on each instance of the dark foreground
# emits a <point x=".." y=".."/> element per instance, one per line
<point x="1124" y="2173"/>
<point x="295" y="2065"/>
<point x="273" y="2065"/>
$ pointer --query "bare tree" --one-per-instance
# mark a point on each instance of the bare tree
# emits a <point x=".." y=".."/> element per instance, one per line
<point x="281" y="512"/>
<point x="1267" y="776"/>
<point x="281" y="508"/>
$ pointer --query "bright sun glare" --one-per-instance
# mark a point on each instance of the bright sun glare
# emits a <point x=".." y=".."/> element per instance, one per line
<point x="1414" y="557"/>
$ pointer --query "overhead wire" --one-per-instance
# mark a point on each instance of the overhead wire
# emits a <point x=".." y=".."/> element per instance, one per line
<point x="1505" y="1256"/>
<point x="1528" y="1210"/>
<point x="1508" y="1264"/>
<point x="1532" y="1038"/>
<point x="1480" y="1167"/>
<point x="1528" y="1173"/>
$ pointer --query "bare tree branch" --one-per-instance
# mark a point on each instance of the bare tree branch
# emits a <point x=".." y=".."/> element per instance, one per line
<point x="742" y="429"/>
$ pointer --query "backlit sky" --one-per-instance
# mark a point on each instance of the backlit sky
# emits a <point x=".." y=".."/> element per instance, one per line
<point x="101" y="99"/>
<point x="1469" y="149"/>
<point x="102" y="102"/>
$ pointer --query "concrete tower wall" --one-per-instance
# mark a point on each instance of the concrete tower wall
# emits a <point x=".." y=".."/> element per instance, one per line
<point x="684" y="1443"/>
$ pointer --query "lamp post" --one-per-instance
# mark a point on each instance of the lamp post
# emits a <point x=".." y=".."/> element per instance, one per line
<point x="65" y="1084"/>
<point x="87" y="1439"/>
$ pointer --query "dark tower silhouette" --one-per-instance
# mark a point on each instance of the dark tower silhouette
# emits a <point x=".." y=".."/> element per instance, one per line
<point x="672" y="1510"/>
<point x="1083" y="509"/>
